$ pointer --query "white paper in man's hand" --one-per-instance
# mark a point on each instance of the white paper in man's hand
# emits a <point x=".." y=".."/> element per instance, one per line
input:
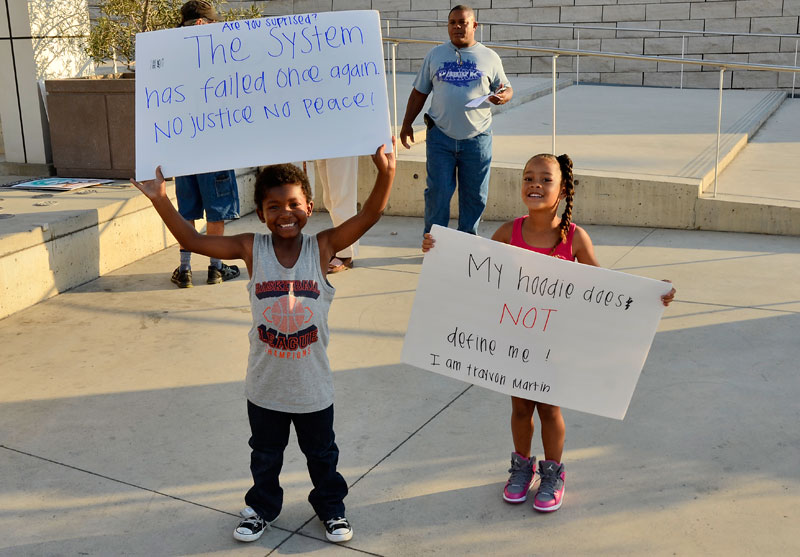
<point x="477" y="102"/>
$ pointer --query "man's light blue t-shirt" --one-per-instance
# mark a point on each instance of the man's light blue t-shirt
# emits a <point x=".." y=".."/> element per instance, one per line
<point x="456" y="76"/>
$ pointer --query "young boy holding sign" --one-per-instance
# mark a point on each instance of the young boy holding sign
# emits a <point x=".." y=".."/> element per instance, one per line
<point x="289" y="379"/>
<point x="546" y="181"/>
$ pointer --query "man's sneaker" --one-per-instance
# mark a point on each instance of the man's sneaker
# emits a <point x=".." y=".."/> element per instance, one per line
<point x="550" y="494"/>
<point x="227" y="272"/>
<point x="183" y="278"/>
<point x="518" y="484"/>
<point x="252" y="526"/>
<point x="338" y="529"/>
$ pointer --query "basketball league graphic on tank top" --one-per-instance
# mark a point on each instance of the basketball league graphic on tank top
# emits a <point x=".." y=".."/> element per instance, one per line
<point x="289" y="331"/>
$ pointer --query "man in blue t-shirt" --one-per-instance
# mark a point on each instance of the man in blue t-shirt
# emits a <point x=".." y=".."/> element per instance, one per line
<point x="459" y="139"/>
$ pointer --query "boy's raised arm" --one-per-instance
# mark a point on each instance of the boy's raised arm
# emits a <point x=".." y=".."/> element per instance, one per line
<point x="239" y="246"/>
<point x="338" y="238"/>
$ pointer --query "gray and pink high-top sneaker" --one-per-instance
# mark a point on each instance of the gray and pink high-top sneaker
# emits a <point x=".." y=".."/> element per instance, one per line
<point x="519" y="483"/>
<point x="550" y="494"/>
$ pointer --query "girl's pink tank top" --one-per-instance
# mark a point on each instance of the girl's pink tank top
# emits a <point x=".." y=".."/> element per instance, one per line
<point x="563" y="250"/>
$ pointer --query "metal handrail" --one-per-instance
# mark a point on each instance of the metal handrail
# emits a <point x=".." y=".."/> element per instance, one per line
<point x="606" y="28"/>
<point x="602" y="54"/>
<point x="556" y="52"/>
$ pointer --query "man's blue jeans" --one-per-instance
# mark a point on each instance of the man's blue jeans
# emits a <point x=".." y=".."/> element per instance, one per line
<point x="463" y="161"/>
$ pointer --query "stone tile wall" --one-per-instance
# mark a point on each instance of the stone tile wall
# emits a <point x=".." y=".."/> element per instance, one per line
<point x="732" y="16"/>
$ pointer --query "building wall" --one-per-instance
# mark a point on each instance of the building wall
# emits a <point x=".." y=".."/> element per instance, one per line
<point x="37" y="41"/>
<point x="57" y="31"/>
<point x="754" y="16"/>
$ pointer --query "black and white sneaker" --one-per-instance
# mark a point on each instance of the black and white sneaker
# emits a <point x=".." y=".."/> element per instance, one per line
<point x="338" y="529"/>
<point x="251" y="528"/>
<point x="226" y="272"/>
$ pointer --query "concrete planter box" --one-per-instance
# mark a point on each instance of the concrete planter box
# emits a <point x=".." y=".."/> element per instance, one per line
<point x="92" y="126"/>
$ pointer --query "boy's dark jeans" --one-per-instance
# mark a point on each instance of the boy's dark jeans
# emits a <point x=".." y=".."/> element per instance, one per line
<point x="269" y="437"/>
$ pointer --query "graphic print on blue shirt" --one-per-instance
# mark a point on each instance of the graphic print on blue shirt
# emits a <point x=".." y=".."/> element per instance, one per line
<point x="460" y="75"/>
<point x="286" y="338"/>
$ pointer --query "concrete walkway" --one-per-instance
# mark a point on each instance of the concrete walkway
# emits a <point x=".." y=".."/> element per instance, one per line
<point x="124" y="430"/>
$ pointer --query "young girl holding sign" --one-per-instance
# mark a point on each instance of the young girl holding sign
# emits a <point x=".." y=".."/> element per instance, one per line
<point x="546" y="181"/>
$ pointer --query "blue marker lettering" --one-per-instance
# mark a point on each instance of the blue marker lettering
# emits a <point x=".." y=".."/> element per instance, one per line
<point x="280" y="44"/>
<point x="237" y="42"/>
<point x="197" y="46"/>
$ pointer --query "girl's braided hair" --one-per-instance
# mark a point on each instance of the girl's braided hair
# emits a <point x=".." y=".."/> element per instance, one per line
<point x="568" y="182"/>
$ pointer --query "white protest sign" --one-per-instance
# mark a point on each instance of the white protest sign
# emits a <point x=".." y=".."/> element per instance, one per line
<point x="260" y="91"/>
<point x="531" y="325"/>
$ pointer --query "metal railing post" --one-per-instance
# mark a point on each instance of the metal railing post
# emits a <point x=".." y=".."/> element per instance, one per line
<point x="578" y="62"/>
<point x="719" y="130"/>
<point x="683" y="51"/>
<point x="394" y="87"/>
<point x="554" y="103"/>
<point x="795" y="65"/>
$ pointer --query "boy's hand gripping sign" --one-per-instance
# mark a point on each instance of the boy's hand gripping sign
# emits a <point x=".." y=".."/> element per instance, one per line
<point x="531" y="325"/>
<point x="260" y="91"/>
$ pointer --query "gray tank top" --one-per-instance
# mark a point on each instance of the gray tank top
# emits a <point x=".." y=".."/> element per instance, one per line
<point x="288" y="369"/>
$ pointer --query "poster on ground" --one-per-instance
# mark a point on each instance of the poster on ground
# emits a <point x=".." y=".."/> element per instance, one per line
<point x="260" y="91"/>
<point x="58" y="184"/>
<point x="531" y="325"/>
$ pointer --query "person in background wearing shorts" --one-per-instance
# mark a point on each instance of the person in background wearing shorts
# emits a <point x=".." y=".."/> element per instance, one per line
<point x="214" y="193"/>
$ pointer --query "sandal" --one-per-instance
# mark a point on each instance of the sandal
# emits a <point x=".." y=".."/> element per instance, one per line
<point x="337" y="265"/>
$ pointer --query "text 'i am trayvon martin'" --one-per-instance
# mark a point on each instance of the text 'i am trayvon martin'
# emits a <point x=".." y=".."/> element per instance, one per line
<point x="291" y="38"/>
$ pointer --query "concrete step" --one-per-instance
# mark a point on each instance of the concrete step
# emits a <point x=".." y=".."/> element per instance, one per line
<point x="52" y="242"/>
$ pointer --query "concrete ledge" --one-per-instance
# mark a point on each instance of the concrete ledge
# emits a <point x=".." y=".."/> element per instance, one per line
<point x="43" y="254"/>
<point x="724" y="216"/>
<point x="25" y="169"/>
<point x="635" y="200"/>
<point x="50" y="265"/>
<point x="601" y="197"/>
<point x="621" y="199"/>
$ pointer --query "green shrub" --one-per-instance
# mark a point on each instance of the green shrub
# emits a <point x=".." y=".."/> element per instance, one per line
<point x="113" y="34"/>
